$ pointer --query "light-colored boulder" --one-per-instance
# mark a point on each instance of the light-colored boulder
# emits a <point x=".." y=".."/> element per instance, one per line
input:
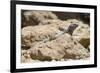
<point x="73" y="48"/>
<point x="56" y="23"/>
<point x="74" y="21"/>
<point x="62" y="47"/>
<point x="25" y="57"/>
<point x="65" y="26"/>
<point x="32" y="35"/>
<point x="82" y="34"/>
<point x="34" y="17"/>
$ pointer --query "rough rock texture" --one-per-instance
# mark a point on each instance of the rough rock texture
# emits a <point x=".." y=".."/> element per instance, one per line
<point x="31" y="35"/>
<point x="56" y="23"/>
<point x="35" y="17"/>
<point x="82" y="33"/>
<point x="62" y="47"/>
<point x="45" y="37"/>
<point x="26" y="58"/>
<point x="34" y="34"/>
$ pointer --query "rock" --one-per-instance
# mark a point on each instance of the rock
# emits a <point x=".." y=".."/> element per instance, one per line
<point x="32" y="35"/>
<point x="82" y="34"/>
<point x="56" y="23"/>
<point x="65" y="26"/>
<point x="51" y="21"/>
<point x="74" y="21"/>
<point x="62" y="60"/>
<point x="48" y="36"/>
<point x="25" y="56"/>
<point x="47" y="51"/>
<point x="73" y="48"/>
<point x="56" y="28"/>
<point x="31" y="18"/>
<point x="23" y="59"/>
<point x="62" y="47"/>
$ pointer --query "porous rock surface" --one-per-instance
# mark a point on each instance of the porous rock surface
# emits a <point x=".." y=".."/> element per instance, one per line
<point x="44" y="37"/>
<point x="62" y="47"/>
<point x="35" y="17"/>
